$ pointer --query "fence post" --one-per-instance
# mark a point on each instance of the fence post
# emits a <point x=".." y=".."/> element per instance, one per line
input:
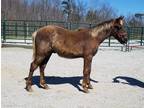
<point x="70" y="25"/>
<point x="109" y="41"/>
<point x="4" y="31"/>
<point x="25" y="31"/>
<point x="142" y="33"/>
<point x="90" y="25"/>
<point x="46" y="23"/>
<point x="66" y="25"/>
<point x="128" y="43"/>
<point x="16" y="29"/>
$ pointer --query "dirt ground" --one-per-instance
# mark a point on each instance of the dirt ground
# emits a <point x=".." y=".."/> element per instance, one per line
<point x="117" y="78"/>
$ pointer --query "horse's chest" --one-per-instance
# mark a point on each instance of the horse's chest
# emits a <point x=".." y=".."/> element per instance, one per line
<point x="91" y="47"/>
<point x="95" y="51"/>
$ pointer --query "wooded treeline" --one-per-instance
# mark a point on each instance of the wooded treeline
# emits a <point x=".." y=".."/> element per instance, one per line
<point x="60" y="10"/>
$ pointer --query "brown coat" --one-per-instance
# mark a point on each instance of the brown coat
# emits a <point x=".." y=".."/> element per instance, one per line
<point x="72" y="44"/>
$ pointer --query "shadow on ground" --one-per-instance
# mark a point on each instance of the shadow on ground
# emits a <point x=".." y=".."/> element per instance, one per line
<point x="129" y="81"/>
<point x="74" y="81"/>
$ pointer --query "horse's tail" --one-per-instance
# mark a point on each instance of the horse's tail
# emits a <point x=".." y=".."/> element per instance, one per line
<point x="33" y="43"/>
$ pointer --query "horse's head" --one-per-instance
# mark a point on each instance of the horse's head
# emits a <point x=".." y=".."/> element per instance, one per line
<point x="118" y="31"/>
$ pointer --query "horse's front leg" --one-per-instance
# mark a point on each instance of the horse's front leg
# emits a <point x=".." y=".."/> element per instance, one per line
<point x="86" y="73"/>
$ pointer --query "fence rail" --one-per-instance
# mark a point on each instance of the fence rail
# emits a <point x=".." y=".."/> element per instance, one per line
<point x="21" y="30"/>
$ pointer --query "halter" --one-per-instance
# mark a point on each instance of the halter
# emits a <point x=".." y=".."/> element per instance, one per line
<point x="121" y="34"/>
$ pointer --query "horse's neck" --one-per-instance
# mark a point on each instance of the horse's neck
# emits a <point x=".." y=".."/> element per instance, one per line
<point x="101" y="32"/>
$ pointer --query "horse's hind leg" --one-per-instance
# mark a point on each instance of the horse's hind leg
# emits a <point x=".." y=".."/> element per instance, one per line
<point x="33" y="67"/>
<point x="42" y="76"/>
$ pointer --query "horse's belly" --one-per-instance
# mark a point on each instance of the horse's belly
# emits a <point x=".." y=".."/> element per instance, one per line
<point x="67" y="47"/>
<point x="68" y="52"/>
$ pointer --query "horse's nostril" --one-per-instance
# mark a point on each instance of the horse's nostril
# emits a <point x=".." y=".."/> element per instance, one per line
<point x="125" y="34"/>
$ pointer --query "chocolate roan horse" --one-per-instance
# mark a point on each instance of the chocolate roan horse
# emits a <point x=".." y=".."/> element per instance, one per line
<point x="72" y="44"/>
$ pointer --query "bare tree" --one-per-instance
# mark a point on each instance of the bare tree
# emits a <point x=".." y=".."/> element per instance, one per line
<point x="91" y="16"/>
<point x="78" y="11"/>
<point x="52" y="10"/>
<point x="74" y="10"/>
<point x="105" y="12"/>
<point x="131" y="20"/>
<point x="31" y="10"/>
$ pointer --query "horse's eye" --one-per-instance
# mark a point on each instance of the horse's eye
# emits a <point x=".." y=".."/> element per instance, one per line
<point x="118" y="28"/>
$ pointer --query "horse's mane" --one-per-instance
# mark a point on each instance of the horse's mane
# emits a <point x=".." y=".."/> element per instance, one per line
<point x="101" y="27"/>
<point x="103" y="23"/>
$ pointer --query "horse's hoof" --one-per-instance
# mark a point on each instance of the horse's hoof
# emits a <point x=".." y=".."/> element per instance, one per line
<point x="90" y="86"/>
<point x="44" y="86"/>
<point x="85" y="90"/>
<point x="29" y="89"/>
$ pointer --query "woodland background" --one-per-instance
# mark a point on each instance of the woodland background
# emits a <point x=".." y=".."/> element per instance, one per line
<point x="59" y="10"/>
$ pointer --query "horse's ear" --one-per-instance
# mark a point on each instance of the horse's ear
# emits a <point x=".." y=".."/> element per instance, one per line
<point x="121" y="17"/>
<point x="120" y="20"/>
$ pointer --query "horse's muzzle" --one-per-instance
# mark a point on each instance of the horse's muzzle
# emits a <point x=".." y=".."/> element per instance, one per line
<point x="125" y="40"/>
<point x="124" y="37"/>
